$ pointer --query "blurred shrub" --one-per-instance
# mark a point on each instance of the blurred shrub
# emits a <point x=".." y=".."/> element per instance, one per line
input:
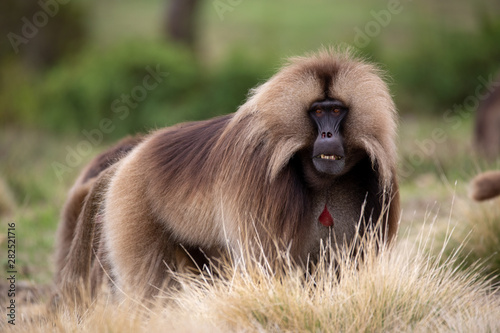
<point x="229" y="83"/>
<point x="137" y="86"/>
<point x="444" y="66"/>
<point x="18" y="95"/>
<point x="134" y="85"/>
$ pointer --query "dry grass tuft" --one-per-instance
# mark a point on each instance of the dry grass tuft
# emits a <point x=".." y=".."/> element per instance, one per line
<point x="479" y="225"/>
<point x="399" y="289"/>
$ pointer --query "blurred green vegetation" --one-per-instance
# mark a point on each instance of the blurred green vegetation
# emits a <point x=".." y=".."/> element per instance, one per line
<point x="445" y="65"/>
<point x="138" y="85"/>
<point x="78" y="93"/>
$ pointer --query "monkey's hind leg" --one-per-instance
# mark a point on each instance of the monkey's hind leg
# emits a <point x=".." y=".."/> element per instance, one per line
<point x="74" y="279"/>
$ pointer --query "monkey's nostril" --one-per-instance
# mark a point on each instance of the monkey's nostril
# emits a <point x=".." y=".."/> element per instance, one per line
<point x="329" y="134"/>
<point x="323" y="135"/>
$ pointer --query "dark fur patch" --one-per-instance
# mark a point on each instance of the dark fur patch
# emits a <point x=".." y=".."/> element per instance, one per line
<point x="111" y="156"/>
<point x="369" y="178"/>
<point x="179" y="156"/>
<point x="326" y="73"/>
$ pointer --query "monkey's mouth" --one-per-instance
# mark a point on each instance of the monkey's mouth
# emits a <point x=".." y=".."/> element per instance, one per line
<point x="329" y="157"/>
<point x="331" y="164"/>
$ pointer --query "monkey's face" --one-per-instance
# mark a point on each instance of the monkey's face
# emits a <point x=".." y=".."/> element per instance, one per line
<point x="328" y="153"/>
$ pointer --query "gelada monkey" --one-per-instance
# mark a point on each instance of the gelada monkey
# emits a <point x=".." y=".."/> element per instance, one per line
<point x="309" y="156"/>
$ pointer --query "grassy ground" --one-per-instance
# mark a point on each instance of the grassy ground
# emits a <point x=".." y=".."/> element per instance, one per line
<point x="26" y="168"/>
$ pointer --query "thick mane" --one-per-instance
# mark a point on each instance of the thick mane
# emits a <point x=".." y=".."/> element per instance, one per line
<point x="179" y="154"/>
<point x="235" y="158"/>
<point x="232" y="168"/>
<point x="252" y="151"/>
<point x="244" y="179"/>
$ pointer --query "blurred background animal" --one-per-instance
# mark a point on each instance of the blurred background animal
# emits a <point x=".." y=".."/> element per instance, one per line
<point x="485" y="186"/>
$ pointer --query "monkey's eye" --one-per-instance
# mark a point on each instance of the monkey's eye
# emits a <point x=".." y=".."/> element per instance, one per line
<point x="319" y="113"/>
<point x="336" y="111"/>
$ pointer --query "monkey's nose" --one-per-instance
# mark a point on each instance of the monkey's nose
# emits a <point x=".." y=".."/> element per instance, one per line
<point x="326" y="134"/>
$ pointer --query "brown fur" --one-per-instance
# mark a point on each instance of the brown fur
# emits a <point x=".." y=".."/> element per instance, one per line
<point x="220" y="183"/>
<point x="485" y="186"/>
<point x="487" y="127"/>
<point x="76" y="197"/>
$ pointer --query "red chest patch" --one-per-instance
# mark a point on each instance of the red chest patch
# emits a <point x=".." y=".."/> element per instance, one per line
<point x="326" y="218"/>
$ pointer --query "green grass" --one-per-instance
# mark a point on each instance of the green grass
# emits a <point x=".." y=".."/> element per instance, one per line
<point x="26" y="168"/>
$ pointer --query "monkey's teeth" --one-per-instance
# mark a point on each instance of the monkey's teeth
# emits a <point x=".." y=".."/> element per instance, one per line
<point x="330" y="157"/>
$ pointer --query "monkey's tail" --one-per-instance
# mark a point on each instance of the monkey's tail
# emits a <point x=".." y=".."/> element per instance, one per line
<point x="485" y="186"/>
